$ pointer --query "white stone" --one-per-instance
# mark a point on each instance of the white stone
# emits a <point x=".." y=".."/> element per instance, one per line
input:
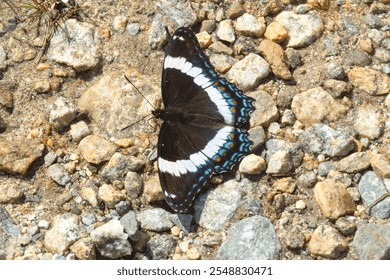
<point x="302" y="29"/>
<point x="250" y="25"/>
<point x="225" y="31"/>
<point x="248" y="72"/>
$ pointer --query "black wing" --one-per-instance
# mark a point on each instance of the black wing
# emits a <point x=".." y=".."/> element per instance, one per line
<point x="190" y="82"/>
<point x="190" y="154"/>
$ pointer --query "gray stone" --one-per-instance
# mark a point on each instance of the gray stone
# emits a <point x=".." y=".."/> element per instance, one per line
<point x="61" y="113"/>
<point x="225" y="31"/>
<point x="358" y="58"/>
<point x="183" y="221"/>
<point x="257" y="136"/>
<point x="371" y="187"/>
<point x="321" y="139"/>
<point x="156" y="219"/>
<point x="373" y="21"/>
<point x="178" y="12"/>
<point x="335" y="70"/>
<point x="325" y="167"/>
<point x="302" y="29"/>
<point x="3" y="56"/>
<point x="58" y="174"/>
<point x="111" y="241"/>
<point x="372" y="242"/>
<point x="50" y="158"/>
<point x="88" y="219"/>
<point x="76" y="44"/>
<point x="157" y="36"/>
<point x="382" y="55"/>
<point x="119" y="165"/>
<point x="214" y="208"/>
<point x="133" y="28"/>
<point x="266" y="111"/>
<point x="130" y="224"/>
<point x="65" y="231"/>
<point x="79" y="130"/>
<point x="295" y="239"/>
<point x="253" y="238"/>
<point x="133" y="184"/>
<point x="283" y="156"/>
<point x="248" y="72"/>
<point x="122" y="207"/>
<point x="160" y="247"/>
<point x="307" y="180"/>
<point x="9" y="234"/>
<point x="346" y="225"/>
<point x="354" y="163"/>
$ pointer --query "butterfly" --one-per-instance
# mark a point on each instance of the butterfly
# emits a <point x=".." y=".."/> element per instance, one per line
<point x="202" y="132"/>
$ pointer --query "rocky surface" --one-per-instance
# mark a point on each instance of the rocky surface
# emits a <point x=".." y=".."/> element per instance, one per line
<point x="78" y="173"/>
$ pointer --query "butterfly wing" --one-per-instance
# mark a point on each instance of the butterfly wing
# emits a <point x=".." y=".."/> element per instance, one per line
<point x="190" y="82"/>
<point x="190" y="154"/>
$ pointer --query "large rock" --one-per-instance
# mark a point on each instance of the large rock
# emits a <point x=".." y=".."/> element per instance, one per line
<point x="76" y="44"/>
<point x="96" y="149"/>
<point x="248" y="72"/>
<point x="321" y="139"/>
<point x="17" y="156"/>
<point x="316" y="106"/>
<point x="302" y="29"/>
<point x="253" y="238"/>
<point x="113" y="104"/>
<point x="369" y="81"/>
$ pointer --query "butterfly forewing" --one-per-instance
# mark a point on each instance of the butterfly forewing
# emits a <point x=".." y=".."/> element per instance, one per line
<point x="205" y="136"/>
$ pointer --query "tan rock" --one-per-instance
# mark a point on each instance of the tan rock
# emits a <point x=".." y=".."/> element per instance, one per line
<point x="354" y="163"/>
<point x="110" y="195"/>
<point x="370" y="81"/>
<point x="266" y="111"/>
<point x="84" y="249"/>
<point x="366" y="45"/>
<point x="275" y="32"/>
<point x="333" y="199"/>
<point x="16" y="156"/>
<point x="204" y="39"/>
<point x="10" y="193"/>
<point x="380" y="164"/>
<point x="286" y="185"/>
<point x="193" y="254"/>
<point x="276" y="57"/>
<point x="315" y="106"/>
<point x="96" y="149"/>
<point x="322" y="4"/>
<point x="90" y="195"/>
<point x="327" y="242"/>
<point x="252" y="164"/>
<point x="368" y="122"/>
<point x="152" y="190"/>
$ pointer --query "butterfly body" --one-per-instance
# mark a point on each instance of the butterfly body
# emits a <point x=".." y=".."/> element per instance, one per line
<point x="202" y="132"/>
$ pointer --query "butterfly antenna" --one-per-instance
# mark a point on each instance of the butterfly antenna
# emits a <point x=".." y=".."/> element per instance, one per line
<point x="167" y="32"/>
<point x="126" y="127"/>
<point x="140" y="92"/>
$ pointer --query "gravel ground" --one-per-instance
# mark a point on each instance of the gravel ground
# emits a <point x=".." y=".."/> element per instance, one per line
<point x="76" y="183"/>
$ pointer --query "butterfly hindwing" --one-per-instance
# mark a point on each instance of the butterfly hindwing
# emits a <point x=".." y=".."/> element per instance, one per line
<point x="195" y="153"/>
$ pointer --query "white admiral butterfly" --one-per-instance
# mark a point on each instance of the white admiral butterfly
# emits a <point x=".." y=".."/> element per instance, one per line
<point x="203" y="116"/>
